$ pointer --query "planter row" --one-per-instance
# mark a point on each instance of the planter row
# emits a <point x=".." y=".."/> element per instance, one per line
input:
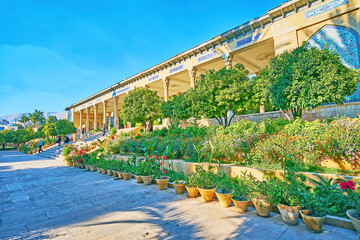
<point x="290" y="215"/>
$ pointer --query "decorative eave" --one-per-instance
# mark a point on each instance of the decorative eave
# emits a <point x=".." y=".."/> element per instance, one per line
<point x="226" y="37"/>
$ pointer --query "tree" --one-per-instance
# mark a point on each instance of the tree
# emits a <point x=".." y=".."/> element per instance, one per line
<point x="306" y="78"/>
<point x="51" y="119"/>
<point x="37" y="118"/>
<point x="141" y="106"/>
<point x="261" y="96"/>
<point x="24" y="119"/>
<point x="50" y="130"/>
<point x="218" y="92"/>
<point x="176" y="109"/>
<point x="64" y="127"/>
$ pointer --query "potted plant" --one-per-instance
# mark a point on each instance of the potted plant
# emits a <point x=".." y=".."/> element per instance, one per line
<point x="224" y="190"/>
<point x="191" y="185"/>
<point x="179" y="186"/>
<point x="262" y="198"/>
<point x="288" y="196"/>
<point x="354" y="197"/>
<point x="314" y="215"/>
<point x="148" y="169"/>
<point x="240" y="197"/>
<point x="126" y="171"/>
<point x="162" y="180"/>
<point x="206" y="183"/>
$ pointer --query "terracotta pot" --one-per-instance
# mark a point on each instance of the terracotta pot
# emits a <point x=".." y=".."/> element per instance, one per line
<point x="126" y="176"/>
<point x="109" y="172"/>
<point x="120" y="175"/>
<point x="162" y="183"/>
<point x="241" y="206"/>
<point x="354" y="217"/>
<point x="115" y="173"/>
<point x="224" y="198"/>
<point x="104" y="171"/>
<point x="138" y="179"/>
<point x="92" y="168"/>
<point x="263" y="208"/>
<point x="87" y="167"/>
<point x="193" y="192"/>
<point x="147" y="179"/>
<point x="289" y="214"/>
<point x="313" y="224"/>
<point x="207" y="194"/>
<point x="179" y="188"/>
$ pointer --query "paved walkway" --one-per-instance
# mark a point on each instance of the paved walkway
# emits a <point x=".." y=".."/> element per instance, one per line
<point x="41" y="198"/>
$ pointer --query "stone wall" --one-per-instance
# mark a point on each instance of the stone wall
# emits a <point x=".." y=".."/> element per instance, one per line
<point x="323" y="112"/>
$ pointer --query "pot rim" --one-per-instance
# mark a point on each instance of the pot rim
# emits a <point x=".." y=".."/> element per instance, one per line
<point x="240" y="200"/>
<point x="232" y="192"/>
<point x="166" y="178"/>
<point x="179" y="184"/>
<point x="206" y="189"/>
<point x="285" y="207"/>
<point x="306" y="215"/>
<point x="147" y="176"/>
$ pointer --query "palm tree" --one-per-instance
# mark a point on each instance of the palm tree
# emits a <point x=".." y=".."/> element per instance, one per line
<point x="24" y="119"/>
<point x="37" y="118"/>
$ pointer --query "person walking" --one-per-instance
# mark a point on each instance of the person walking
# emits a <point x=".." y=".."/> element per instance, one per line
<point x="59" y="140"/>
<point x="41" y="144"/>
<point x="104" y="130"/>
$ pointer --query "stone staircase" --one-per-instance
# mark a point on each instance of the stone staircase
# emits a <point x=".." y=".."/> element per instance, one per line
<point x="55" y="151"/>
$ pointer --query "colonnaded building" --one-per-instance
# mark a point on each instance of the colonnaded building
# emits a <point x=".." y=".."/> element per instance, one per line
<point x="332" y="22"/>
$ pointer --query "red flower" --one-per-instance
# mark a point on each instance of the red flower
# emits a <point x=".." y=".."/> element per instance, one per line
<point x="347" y="185"/>
<point x="165" y="158"/>
<point x="79" y="160"/>
<point x="160" y="163"/>
<point x="165" y="171"/>
<point x="155" y="156"/>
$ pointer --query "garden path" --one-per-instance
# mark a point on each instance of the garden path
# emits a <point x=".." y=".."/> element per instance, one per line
<point x="41" y="198"/>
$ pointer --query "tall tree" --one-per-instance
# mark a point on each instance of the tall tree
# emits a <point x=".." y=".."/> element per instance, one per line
<point x="141" y="106"/>
<point x="63" y="127"/>
<point x="306" y="78"/>
<point x="24" y="119"/>
<point x="37" y="118"/>
<point x="51" y="119"/>
<point x="176" y="109"/>
<point x="217" y="93"/>
<point x="50" y="130"/>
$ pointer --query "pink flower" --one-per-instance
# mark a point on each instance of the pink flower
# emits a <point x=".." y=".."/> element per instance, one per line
<point x="79" y="160"/>
<point x="347" y="185"/>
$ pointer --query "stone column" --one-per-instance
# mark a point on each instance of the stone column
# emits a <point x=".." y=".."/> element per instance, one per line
<point x="166" y="97"/>
<point x="87" y="120"/>
<point x="95" y="116"/>
<point x="228" y="61"/>
<point x="166" y="89"/>
<point x="80" y="125"/>
<point x="192" y="74"/>
<point x="115" y="114"/>
<point x="104" y="113"/>
<point x="72" y="115"/>
<point x="109" y="122"/>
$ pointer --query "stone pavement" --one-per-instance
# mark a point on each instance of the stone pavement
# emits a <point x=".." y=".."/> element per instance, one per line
<point x="41" y="199"/>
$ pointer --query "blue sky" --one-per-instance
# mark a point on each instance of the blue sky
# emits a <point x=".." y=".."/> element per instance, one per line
<point x="55" y="53"/>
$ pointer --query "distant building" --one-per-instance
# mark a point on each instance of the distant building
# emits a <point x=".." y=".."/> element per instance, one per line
<point x="6" y="125"/>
